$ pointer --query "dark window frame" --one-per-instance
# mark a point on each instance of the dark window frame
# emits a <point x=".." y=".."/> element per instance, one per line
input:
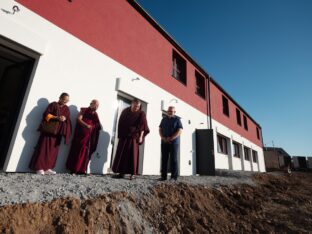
<point x="246" y="156"/>
<point x="200" y="85"/>
<point x="225" y="106"/>
<point x="222" y="144"/>
<point x="238" y="117"/>
<point x="258" y="133"/>
<point x="245" y="122"/>
<point x="178" y="67"/>
<point x="236" y="150"/>
<point x="255" y="156"/>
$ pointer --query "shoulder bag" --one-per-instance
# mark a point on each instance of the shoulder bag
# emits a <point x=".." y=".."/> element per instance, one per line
<point x="51" y="126"/>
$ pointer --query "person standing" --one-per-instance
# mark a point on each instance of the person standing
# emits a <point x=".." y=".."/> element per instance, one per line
<point x="85" y="139"/>
<point x="132" y="128"/>
<point x="47" y="148"/>
<point x="170" y="129"/>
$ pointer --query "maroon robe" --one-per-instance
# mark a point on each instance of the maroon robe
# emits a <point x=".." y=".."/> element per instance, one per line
<point x="84" y="142"/>
<point x="130" y="126"/>
<point x="48" y="145"/>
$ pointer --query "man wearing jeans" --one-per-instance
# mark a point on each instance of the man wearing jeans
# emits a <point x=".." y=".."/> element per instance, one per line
<point x="170" y="130"/>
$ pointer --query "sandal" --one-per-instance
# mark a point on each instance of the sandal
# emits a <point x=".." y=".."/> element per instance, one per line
<point x="132" y="177"/>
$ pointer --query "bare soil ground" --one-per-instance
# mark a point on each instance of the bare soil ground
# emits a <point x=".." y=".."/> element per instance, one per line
<point x="279" y="203"/>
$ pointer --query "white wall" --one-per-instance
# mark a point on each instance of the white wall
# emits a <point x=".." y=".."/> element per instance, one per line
<point x="229" y="161"/>
<point x="237" y="164"/>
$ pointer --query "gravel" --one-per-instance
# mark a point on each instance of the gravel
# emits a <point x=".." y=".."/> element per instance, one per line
<point x="27" y="187"/>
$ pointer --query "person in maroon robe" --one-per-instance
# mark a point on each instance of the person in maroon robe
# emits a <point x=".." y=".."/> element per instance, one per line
<point x="132" y="128"/>
<point x="85" y="139"/>
<point x="47" y="148"/>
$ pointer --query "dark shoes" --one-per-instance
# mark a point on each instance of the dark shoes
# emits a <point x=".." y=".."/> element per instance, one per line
<point x="162" y="179"/>
<point x="119" y="176"/>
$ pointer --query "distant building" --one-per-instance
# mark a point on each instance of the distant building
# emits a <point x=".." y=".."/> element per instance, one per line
<point x="275" y="158"/>
<point x="301" y="162"/>
<point x="309" y="159"/>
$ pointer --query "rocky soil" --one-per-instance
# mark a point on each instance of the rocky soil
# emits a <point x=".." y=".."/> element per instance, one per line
<point x="231" y="202"/>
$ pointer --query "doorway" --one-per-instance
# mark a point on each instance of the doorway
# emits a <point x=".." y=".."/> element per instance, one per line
<point x="124" y="101"/>
<point x="15" y="72"/>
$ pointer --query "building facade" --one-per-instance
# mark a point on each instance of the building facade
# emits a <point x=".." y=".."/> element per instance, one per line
<point x="112" y="51"/>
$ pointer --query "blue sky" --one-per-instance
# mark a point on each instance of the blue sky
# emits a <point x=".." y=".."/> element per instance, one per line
<point x="259" y="51"/>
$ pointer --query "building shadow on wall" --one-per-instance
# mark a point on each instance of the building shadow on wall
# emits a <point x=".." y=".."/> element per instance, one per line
<point x="99" y="157"/>
<point x="31" y="135"/>
<point x="64" y="149"/>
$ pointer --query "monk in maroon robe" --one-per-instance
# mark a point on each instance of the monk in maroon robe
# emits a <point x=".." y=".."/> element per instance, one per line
<point x="45" y="155"/>
<point x="85" y="139"/>
<point x="132" y="128"/>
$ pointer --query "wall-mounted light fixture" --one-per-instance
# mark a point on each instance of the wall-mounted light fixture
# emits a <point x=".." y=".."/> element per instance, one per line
<point x="174" y="100"/>
<point x="165" y="104"/>
<point x="133" y="79"/>
<point x="14" y="9"/>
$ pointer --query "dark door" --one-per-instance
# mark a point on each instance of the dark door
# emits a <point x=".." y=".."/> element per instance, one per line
<point x="302" y="162"/>
<point x="15" y="70"/>
<point x="205" y="161"/>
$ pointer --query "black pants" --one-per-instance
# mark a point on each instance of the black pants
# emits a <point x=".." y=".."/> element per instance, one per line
<point x="169" y="150"/>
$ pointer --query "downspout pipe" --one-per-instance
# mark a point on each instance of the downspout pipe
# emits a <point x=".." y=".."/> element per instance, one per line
<point x="209" y="103"/>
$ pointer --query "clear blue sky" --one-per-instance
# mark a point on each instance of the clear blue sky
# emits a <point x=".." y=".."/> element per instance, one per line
<point x="259" y="51"/>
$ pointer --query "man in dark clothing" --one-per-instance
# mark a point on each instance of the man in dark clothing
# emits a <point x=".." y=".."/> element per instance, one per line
<point x="132" y="128"/>
<point x="85" y="139"/>
<point x="45" y="154"/>
<point x="170" y="130"/>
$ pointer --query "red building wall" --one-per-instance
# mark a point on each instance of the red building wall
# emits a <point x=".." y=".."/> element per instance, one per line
<point x="230" y="121"/>
<point x="116" y="29"/>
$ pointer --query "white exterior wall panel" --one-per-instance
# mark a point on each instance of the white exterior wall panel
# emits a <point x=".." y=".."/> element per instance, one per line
<point x="237" y="164"/>
<point x="225" y="161"/>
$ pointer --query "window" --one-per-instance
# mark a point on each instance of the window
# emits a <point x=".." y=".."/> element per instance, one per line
<point x="178" y="67"/>
<point x="200" y="85"/>
<point x="258" y="133"/>
<point x="238" y="117"/>
<point x="222" y="145"/>
<point x="225" y="104"/>
<point x="247" y="153"/>
<point x="245" y="122"/>
<point x="236" y="151"/>
<point x="254" y="156"/>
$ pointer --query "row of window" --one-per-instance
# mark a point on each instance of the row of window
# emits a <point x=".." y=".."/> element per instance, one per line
<point x="179" y="73"/>
<point x="237" y="148"/>
<point x="225" y="105"/>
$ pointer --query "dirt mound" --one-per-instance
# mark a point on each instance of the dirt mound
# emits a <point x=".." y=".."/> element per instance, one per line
<point x="279" y="203"/>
